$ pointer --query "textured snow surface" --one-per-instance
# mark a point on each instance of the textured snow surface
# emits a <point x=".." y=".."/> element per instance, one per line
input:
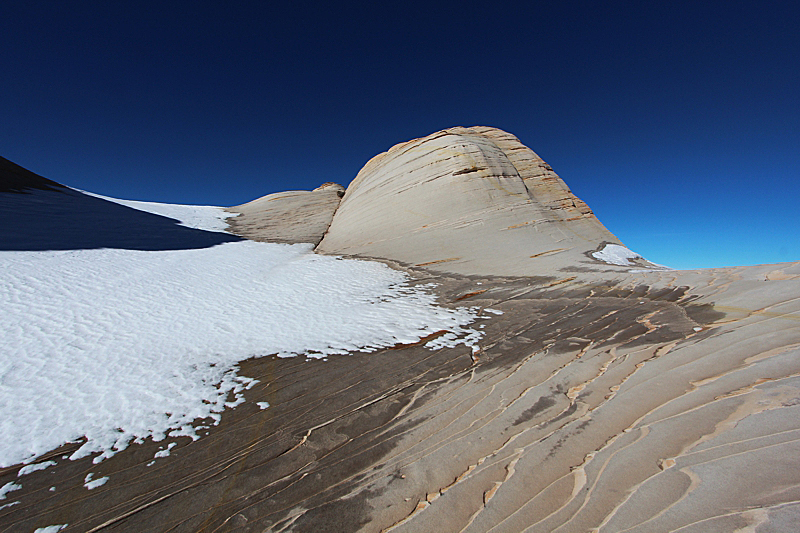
<point x="114" y="345"/>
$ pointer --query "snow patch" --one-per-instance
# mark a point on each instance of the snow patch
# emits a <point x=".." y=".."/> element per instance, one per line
<point x="8" y="487"/>
<point x="165" y="453"/>
<point x="93" y="484"/>
<point x="615" y="254"/>
<point x="262" y="405"/>
<point x="115" y="345"/>
<point x="25" y="470"/>
<point x="51" y="529"/>
<point x="468" y="338"/>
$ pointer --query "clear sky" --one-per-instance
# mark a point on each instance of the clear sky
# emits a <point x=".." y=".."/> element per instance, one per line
<point x="677" y="122"/>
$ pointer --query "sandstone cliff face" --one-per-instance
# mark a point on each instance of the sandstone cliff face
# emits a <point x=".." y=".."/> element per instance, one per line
<point x="465" y="200"/>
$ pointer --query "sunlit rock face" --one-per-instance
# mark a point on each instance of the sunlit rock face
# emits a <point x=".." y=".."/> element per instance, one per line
<point x="465" y="200"/>
<point x="288" y="217"/>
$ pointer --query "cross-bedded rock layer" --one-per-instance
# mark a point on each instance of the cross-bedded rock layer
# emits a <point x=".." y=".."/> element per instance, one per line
<point x="288" y="217"/>
<point x="465" y="200"/>
<point x="603" y="399"/>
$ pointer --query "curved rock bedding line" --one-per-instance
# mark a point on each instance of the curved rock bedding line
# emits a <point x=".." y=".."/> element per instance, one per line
<point x="602" y="397"/>
<point x="289" y="217"/>
<point x="467" y="201"/>
<point x="632" y="403"/>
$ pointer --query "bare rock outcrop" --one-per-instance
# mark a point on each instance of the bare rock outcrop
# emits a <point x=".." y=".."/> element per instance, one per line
<point x="468" y="201"/>
<point x="288" y="217"/>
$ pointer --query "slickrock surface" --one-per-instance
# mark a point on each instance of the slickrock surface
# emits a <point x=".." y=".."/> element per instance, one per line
<point x="604" y="398"/>
<point x="467" y="201"/>
<point x="288" y="217"/>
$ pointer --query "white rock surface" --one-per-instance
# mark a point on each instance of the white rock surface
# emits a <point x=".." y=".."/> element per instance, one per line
<point x="289" y="217"/>
<point x="466" y="200"/>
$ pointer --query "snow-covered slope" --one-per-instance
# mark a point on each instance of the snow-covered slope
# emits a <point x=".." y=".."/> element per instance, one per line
<point x="114" y="341"/>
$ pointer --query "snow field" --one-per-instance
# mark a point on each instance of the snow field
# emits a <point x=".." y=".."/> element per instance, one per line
<point x="116" y="345"/>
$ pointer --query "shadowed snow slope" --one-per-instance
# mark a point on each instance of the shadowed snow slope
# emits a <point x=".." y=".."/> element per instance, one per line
<point x="67" y="219"/>
<point x="14" y="178"/>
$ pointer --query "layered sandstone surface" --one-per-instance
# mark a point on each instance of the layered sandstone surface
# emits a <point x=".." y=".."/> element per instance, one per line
<point x="469" y="201"/>
<point x="288" y="217"/>
<point x="605" y="398"/>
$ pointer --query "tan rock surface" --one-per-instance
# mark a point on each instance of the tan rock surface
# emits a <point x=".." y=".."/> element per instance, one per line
<point x="684" y="419"/>
<point x="604" y="398"/>
<point x="467" y="201"/>
<point x="288" y="217"/>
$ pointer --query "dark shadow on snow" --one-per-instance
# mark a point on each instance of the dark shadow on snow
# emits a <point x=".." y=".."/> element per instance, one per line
<point x="14" y="178"/>
<point x="36" y="219"/>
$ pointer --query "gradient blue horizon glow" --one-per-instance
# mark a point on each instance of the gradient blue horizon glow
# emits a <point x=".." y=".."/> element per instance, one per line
<point x="676" y="122"/>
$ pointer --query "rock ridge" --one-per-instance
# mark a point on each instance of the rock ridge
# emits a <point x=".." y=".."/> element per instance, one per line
<point x="600" y="398"/>
<point x="463" y="200"/>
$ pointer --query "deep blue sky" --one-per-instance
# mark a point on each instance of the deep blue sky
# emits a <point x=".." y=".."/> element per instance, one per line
<point x="677" y="122"/>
